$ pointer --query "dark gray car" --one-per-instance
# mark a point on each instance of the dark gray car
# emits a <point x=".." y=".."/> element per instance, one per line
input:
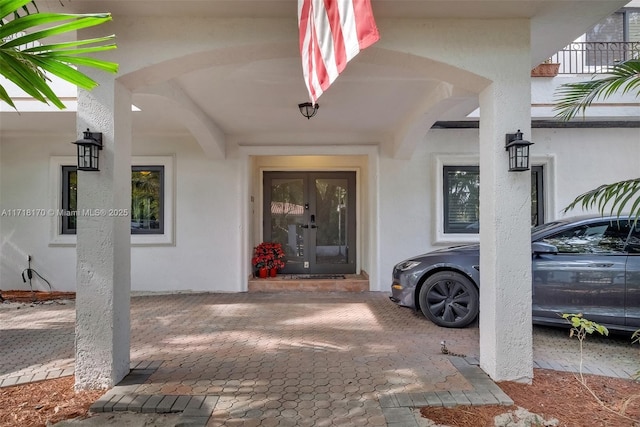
<point x="588" y="265"/>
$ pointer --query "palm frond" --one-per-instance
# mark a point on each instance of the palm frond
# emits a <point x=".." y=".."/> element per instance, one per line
<point x="613" y="199"/>
<point x="65" y="72"/>
<point x="65" y="46"/>
<point x="4" y="96"/>
<point x="13" y="7"/>
<point x="574" y="98"/>
<point x="25" y="58"/>
<point x="26" y="78"/>
<point x="73" y="23"/>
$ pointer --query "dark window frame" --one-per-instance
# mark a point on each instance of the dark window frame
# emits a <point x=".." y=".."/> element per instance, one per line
<point x="448" y="229"/>
<point x="538" y="179"/>
<point x="625" y="17"/>
<point x="537" y="176"/>
<point x="68" y="216"/>
<point x="160" y="229"/>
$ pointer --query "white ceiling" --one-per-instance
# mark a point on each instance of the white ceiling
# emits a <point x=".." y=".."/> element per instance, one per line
<point x="262" y="97"/>
<point x="284" y="8"/>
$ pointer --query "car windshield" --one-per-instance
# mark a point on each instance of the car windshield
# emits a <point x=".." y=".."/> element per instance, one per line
<point x="544" y="226"/>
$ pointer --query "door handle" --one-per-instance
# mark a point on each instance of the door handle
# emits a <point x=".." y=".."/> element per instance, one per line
<point x="313" y="222"/>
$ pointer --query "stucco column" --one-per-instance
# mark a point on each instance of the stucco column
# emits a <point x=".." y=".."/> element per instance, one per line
<point x="103" y="239"/>
<point x="505" y="217"/>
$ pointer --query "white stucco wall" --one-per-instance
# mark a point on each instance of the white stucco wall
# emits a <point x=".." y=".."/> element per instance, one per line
<point x="618" y="106"/>
<point x="207" y="252"/>
<point x="206" y="244"/>
<point x="574" y="160"/>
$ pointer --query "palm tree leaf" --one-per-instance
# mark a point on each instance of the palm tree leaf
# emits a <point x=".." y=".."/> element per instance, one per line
<point x="65" y="72"/>
<point x="18" y="25"/>
<point x="111" y="67"/>
<point x="635" y="211"/>
<point x="79" y="22"/>
<point x="25" y="64"/>
<point x="623" y="199"/>
<point x="30" y="81"/>
<point x="4" y="96"/>
<point x="617" y="195"/>
<point x="21" y="75"/>
<point x="9" y="7"/>
<point x="575" y="98"/>
<point x="68" y="45"/>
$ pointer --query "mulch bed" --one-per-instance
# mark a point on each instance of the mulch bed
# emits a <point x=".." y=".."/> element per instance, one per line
<point x="35" y="296"/>
<point x="42" y="403"/>
<point x="558" y="395"/>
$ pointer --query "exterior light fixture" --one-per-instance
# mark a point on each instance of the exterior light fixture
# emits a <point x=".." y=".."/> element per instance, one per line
<point x="88" y="148"/>
<point x="308" y="109"/>
<point x="518" y="152"/>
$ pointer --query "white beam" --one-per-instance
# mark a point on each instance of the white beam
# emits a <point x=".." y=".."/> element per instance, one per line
<point x="208" y="134"/>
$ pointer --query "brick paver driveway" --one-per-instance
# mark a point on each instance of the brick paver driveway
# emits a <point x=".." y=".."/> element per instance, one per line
<point x="286" y="358"/>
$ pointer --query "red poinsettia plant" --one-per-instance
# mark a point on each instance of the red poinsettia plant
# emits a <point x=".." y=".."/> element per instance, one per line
<point x="268" y="255"/>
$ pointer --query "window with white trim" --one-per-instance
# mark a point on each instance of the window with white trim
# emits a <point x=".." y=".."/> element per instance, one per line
<point x="147" y="199"/>
<point x="461" y="198"/>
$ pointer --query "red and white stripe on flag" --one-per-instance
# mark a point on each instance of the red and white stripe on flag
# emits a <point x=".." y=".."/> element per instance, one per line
<point x="332" y="32"/>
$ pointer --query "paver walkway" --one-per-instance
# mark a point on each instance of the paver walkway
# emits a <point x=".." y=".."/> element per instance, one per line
<point x="285" y="359"/>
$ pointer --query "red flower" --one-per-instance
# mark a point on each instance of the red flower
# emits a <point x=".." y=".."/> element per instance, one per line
<point x="269" y="255"/>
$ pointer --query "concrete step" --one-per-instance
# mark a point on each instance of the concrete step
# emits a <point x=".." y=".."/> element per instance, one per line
<point x="288" y="282"/>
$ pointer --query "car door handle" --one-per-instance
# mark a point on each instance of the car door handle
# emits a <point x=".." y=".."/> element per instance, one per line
<point x="601" y="265"/>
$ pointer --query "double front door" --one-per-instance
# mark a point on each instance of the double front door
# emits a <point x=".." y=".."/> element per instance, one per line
<point x="313" y="216"/>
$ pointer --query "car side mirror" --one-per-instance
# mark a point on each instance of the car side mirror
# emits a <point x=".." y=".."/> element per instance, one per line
<point x="538" y="248"/>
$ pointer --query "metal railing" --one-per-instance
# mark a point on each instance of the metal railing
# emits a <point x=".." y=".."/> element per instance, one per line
<point x="594" y="57"/>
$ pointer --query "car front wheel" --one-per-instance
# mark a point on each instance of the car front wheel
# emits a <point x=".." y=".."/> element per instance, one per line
<point x="449" y="299"/>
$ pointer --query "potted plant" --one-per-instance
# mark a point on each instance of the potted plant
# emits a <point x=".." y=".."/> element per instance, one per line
<point x="546" y="69"/>
<point x="276" y="264"/>
<point x="268" y="258"/>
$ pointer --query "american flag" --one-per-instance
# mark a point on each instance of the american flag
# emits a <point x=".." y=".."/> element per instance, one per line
<point x="332" y="32"/>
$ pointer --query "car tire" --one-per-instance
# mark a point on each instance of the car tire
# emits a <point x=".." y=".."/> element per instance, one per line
<point x="449" y="299"/>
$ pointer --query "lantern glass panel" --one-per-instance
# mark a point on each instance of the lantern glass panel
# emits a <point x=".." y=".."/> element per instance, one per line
<point x="88" y="157"/>
<point x="522" y="157"/>
<point x="518" y="157"/>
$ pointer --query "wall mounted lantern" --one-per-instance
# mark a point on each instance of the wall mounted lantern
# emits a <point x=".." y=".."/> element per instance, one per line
<point x="88" y="148"/>
<point x="518" y="152"/>
<point x="308" y="109"/>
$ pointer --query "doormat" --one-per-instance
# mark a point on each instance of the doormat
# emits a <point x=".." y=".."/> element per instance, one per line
<point x="314" y="276"/>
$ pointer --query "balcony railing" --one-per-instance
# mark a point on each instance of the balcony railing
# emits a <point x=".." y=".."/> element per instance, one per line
<point x="594" y="57"/>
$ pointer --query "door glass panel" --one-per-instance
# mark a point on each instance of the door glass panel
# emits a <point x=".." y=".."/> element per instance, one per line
<point x="287" y="217"/>
<point x="312" y="214"/>
<point x="331" y="221"/>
